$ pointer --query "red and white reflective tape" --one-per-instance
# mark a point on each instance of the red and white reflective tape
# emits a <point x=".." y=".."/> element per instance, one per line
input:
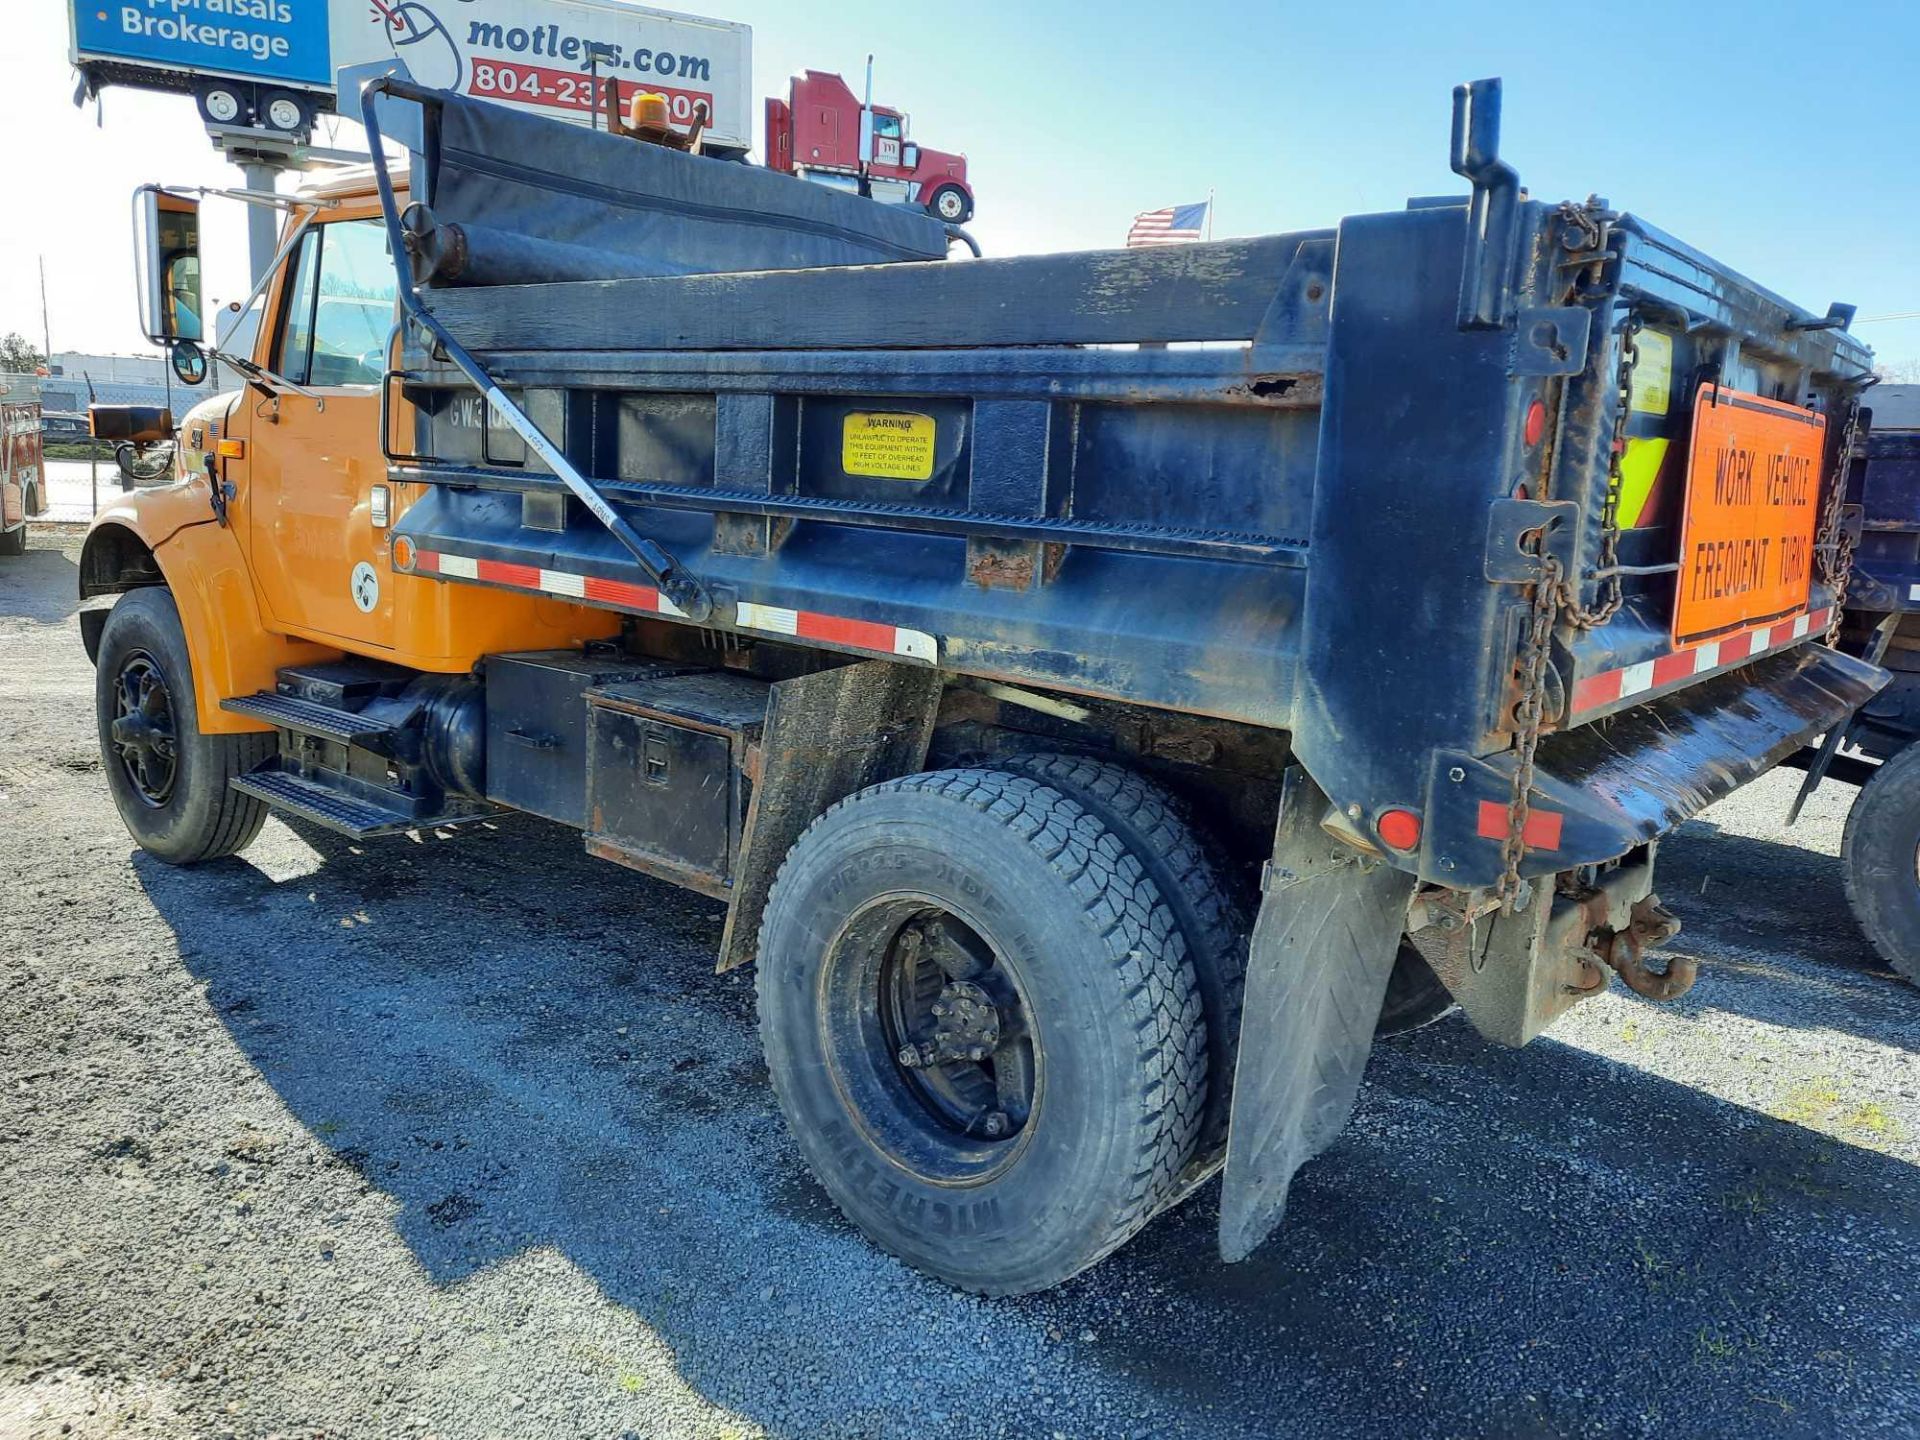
<point x="548" y="582"/>
<point x="770" y="619"/>
<point x="832" y="629"/>
<point x="1612" y="686"/>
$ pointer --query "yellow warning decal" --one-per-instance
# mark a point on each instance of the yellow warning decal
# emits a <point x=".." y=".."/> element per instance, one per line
<point x="890" y="444"/>
<point x="1652" y="373"/>
<point x="1639" y="468"/>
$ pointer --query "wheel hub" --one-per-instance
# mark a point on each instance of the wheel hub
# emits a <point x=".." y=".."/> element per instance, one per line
<point x="141" y="730"/>
<point x="963" y="1043"/>
<point x="966" y="1027"/>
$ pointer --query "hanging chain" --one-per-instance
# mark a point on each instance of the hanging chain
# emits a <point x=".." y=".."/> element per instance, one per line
<point x="1836" y="541"/>
<point x="1529" y="711"/>
<point x="1608" y="597"/>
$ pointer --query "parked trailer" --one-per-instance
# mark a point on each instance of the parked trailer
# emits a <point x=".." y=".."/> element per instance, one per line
<point x="1092" y="740"/>
<point x="1881" y="622"/>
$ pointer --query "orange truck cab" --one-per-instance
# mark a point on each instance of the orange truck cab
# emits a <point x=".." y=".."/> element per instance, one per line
<point x="272" y="538"/>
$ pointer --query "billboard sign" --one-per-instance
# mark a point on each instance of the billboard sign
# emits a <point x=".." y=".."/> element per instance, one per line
<point x="539" y="55"/>
<point x="542" y="55"/>
<point x="283" y="40"/>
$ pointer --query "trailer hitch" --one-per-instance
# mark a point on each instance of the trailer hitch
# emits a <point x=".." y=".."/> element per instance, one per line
<point x="681" y="589"/>
<point x="1652" y="924"/>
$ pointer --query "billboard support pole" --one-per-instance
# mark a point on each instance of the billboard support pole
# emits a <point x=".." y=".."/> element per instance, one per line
<point x="263" y="222"/>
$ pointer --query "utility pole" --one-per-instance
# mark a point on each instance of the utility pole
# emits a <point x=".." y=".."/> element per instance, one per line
<point x="46" y="326"/>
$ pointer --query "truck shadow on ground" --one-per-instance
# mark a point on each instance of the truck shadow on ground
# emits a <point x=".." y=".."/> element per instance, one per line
<point x="1770" y="925"/>
<point x="525" y="1047"/>
<point x="42" y="585"/>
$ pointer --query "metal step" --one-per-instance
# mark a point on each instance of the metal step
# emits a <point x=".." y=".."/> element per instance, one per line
<point x="324" y="805"/>
<point x="290" y="712"/>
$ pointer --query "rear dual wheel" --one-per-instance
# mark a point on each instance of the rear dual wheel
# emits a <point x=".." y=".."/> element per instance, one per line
<point x="983" y="1026"/>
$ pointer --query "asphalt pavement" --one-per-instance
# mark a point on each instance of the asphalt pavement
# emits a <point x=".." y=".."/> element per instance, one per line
<point x="461" y="1136"/>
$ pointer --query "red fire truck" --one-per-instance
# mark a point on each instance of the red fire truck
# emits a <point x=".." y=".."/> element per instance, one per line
<point x="816" y="133"/>
<point x="23" y="488"/>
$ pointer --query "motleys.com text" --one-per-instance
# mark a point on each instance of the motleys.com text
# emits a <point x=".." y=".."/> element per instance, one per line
<point x="185" y="22"/>
<point x="547" y="41"/>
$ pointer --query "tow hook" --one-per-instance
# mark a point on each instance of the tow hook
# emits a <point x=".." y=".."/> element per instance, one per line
<point x="1652" y="924"/>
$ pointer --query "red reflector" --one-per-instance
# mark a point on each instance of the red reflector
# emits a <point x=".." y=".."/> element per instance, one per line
<point x="1542" y="831"/>
<point x="1400" y="828"/>
<point x="1536" y="422"/>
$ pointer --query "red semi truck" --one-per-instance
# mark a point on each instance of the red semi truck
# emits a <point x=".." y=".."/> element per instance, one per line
<point x="816" y="133"/>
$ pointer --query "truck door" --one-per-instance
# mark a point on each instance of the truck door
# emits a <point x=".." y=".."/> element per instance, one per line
<point x="313" y="460"/>
<point x="887" y="140"/>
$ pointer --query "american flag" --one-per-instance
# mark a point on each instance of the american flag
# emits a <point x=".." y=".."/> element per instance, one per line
<point x="1175" y="225"/>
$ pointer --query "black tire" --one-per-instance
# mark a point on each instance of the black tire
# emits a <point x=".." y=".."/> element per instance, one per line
<point x="285" y="113"/>
<point x="1094" y="972"/>
<point x="168" y="780"/>
<point x="216" y="98"/>
<point x="1415" y="996"/>
<point x="14" y="541"/>
<point x="951" y="204"/>
<point x="1193" y="882"/>
<point x="1879" y="852"/>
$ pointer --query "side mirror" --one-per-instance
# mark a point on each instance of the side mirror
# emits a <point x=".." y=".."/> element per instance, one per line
<point x="168" y="247"/>
<point x="189" y="362"/>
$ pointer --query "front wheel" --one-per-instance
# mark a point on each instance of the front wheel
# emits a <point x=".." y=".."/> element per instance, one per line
<point x="982" y="1025"/>
<point x="951" y="204"/>
<point x="168" y="779"/>
<point x="1880" y="861"/>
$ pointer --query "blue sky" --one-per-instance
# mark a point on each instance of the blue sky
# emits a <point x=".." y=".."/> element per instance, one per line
<point x="1782" y="139"/>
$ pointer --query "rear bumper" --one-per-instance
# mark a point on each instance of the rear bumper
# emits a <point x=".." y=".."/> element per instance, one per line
<point x="1603" y="789"/>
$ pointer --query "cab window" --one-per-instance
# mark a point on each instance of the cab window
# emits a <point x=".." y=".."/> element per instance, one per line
<point x="887" y="127"/>
<point x="339" y="306"/>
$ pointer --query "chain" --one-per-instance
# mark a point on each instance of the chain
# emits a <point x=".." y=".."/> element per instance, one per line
<point x="1528" y="713"/>
<point x="1585" y="232"/>
<point x="1608" y="596"/>
<point x="1836" y="541"/>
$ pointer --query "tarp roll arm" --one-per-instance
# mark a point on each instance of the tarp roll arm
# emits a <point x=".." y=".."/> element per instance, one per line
<point x="684" y="591"/>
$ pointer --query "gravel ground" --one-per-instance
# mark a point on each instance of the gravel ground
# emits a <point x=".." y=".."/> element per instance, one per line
<point x="462" y="1137"/>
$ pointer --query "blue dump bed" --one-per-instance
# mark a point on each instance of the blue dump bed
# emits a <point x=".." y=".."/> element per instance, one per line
<point x="1481" y="542"/>
<point x="1309" y="482"/>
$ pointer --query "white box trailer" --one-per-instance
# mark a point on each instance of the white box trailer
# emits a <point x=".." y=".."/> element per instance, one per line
<point x="273" y="64"/>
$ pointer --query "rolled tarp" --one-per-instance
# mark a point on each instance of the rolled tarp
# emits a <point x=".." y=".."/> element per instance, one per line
<point x="514" y="199"/>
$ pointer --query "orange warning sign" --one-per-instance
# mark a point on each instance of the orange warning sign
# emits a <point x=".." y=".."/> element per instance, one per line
<point x="1753" y="494"/>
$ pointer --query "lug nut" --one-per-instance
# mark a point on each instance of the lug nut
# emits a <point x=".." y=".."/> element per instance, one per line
<point x="995" y="1125"/>
<point x="910" y="1056"/>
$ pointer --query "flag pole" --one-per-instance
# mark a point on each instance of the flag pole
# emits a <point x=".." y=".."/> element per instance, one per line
<point x="1209" y="212"/>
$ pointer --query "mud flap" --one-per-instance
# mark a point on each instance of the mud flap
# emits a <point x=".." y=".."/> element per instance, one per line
<point x="1323" y="948"/>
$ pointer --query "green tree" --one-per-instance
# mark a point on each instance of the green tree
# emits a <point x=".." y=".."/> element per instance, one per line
<point x="17" y="355"/>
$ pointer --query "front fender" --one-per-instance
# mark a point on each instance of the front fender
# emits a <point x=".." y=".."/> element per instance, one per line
<point x="168" y="536"/>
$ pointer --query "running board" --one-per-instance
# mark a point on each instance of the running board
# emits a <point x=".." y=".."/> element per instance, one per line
<point x="357" y="816"/>
<point x="309" y="717"/>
